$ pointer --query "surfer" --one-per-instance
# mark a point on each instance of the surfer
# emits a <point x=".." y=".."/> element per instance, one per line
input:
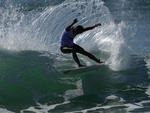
<point x="68" y="46"/>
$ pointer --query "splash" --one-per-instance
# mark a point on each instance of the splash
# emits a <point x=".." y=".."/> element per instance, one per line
<point x="41" y="30"/>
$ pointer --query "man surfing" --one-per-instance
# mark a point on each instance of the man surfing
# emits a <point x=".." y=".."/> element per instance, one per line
<point x="68" y="46"/>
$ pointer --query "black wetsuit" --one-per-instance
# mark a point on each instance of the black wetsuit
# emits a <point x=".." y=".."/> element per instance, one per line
<point x="67" y="46"/>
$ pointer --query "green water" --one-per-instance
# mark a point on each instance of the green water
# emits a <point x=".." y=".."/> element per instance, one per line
<point x="29" y="77"/>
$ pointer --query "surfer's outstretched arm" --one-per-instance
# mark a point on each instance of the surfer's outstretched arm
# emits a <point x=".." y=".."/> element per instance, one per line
<point x="70" y="25"/>
<point x="92" y="27"/>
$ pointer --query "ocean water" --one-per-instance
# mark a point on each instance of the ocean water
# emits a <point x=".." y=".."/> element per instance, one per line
<point x="31" y="80"/>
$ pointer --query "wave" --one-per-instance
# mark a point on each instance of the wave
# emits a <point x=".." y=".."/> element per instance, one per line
<point x="30" y="58"/>
<point x="42" y="30"/>
<point x="36" y="79"/>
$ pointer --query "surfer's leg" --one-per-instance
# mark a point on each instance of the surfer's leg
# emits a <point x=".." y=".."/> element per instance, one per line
<point x="75" y="57"/>
<point x="90" y="56"/>
<point x="82" y="51"/>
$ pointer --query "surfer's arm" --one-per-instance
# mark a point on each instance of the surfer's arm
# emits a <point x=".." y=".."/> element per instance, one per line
<point x="70" y="25"/>
<point x="92" y="27"/>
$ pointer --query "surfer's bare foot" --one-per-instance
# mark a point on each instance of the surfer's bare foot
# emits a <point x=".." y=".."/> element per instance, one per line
<point x="101" y="61"/>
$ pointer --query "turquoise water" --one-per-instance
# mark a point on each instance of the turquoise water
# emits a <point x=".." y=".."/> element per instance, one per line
<point x="31" y="80"/>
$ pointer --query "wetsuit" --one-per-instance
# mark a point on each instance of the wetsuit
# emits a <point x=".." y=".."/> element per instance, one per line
<point x="67" y="46"/>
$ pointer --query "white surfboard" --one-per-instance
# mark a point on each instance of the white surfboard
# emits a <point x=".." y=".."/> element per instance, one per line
<point x="82" y="69"/>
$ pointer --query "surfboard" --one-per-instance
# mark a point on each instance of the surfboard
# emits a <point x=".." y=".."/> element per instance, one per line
<point x="82" y="69"/>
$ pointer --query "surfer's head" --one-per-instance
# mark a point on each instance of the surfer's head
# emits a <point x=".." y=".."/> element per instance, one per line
<point x="79" y="29"/>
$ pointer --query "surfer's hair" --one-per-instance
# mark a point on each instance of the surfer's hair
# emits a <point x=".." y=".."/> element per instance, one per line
<point x="79" y="29"/>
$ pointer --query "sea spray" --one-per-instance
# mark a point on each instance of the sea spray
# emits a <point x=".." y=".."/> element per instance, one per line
<point x="42" y="30"/>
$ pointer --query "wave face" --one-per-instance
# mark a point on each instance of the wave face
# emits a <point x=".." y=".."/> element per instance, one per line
<point x="30" y="59"/>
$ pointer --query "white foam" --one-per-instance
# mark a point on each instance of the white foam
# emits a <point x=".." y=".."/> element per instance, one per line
<point x="74" y="92"/>
<point x="127" y="107"/>
<point x="3" y="110"/>
<point x="118" y="105"/>
<point x="43" y="108"/>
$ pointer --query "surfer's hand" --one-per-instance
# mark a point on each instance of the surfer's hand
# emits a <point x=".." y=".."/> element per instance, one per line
<point x="98" y="25"/>
<point x="75" y="20"/>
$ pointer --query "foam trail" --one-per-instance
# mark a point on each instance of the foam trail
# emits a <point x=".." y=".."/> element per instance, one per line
<point x="2" y="110"/>
<point x="44" y="108"/>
